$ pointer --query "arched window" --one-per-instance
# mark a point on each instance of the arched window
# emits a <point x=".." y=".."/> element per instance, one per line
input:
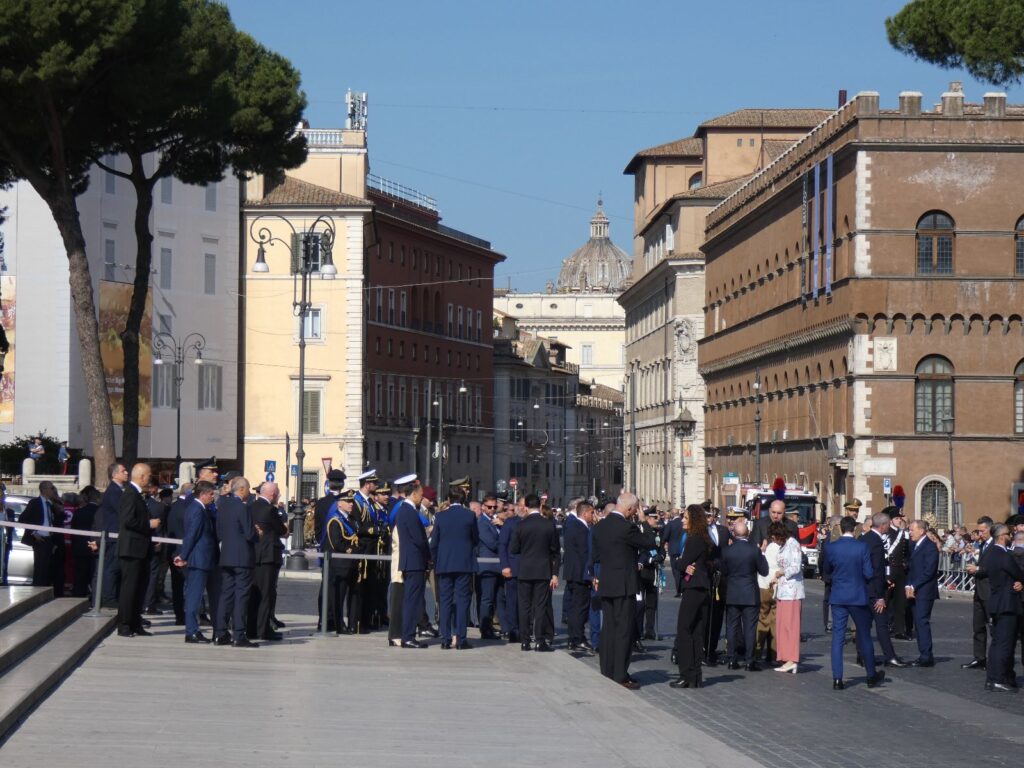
<point x="933" y="395"/>
<point x="935" y="503"/>
<point x="697" y="180"/>
<point x="1018" y="399"/>
<point x="1018" y="242"/>
<point x="935" y="244"/>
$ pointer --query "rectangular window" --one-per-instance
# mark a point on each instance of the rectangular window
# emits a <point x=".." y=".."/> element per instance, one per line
<point x="163" y="324"/>
<point x="391" y="306"/>
<point x="415" y="403"/>
<point x="587" y="354"/>
<point x="458" y="327"/>
<point x="210" y="386"/>
<point x="163" y="386"/>
<point x="211" y="197"/>
<point x="313" y="328"/>
<point x="479" y="325"/>
<point x="739" y="142"/>
<point x="165" y="269"/>
<point x="391" y="399"/>
<point x="451" y="320"/>
<point x="209" y="274"/>
<point x="402" y="309"/>
<point x="167" y="190"/>
<point x="109" y="260"/>
<point x="109" y="179"/>
<point x="380" y="304"/>
<point x="311" y="416"/>
<point x="401" y="399"/>
<point x="378" y="401"/>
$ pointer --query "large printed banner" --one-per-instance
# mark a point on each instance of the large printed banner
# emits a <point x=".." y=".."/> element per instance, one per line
<point x="115" y="298"/>
<point x="8" y="305"/>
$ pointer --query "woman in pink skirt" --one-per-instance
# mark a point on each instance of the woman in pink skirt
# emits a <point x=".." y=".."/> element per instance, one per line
<point x="788" y="573"/>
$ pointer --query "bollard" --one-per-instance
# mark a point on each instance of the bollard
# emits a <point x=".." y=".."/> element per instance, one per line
<point x="325" y="595"/>
<point x="97" y="598"/>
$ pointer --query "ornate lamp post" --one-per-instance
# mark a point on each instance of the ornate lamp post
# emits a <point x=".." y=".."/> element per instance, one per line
<point x="684" y="424"/>
<point x="179" y="350"/>
<point x="314" y="258"/>
<point x="757" y="426"/>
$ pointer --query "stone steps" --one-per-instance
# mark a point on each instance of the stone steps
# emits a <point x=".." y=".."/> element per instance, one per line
<point x="15" y="602"/>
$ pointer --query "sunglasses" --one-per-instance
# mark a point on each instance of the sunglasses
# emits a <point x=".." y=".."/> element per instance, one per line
<point x="490" y="506"/>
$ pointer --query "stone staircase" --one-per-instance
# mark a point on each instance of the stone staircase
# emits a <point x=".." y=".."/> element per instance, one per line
<point x="41" y="640"/>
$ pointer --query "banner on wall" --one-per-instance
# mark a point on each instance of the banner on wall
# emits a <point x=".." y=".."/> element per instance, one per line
<point x="829" y="218"/>
<point x="115" y="298"/>
<point x="8" y="307"/>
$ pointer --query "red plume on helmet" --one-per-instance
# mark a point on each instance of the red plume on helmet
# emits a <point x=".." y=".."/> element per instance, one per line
<point x="899" y="498"/>
<point x="779" y="488"/>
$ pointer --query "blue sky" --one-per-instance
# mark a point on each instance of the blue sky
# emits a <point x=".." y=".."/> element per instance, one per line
<point x="514" y="116"/>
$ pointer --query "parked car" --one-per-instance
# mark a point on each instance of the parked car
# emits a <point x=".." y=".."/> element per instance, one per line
<point x="19" y="567"/>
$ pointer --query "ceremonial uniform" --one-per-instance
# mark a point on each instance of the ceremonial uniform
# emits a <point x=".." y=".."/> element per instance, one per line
<point x="340" y="536"/>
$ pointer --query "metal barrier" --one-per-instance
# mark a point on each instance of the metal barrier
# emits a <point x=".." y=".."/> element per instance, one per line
<point x="953" y="575"/>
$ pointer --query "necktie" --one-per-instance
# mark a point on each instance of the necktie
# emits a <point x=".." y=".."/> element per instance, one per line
<point x="47" y="521"/>
<point x="713" y="530"/>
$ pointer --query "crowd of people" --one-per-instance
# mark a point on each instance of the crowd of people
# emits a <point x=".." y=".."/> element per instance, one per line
<point x="737" y="580"/>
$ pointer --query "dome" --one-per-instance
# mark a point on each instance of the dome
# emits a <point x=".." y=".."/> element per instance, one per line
<point x="599" y="265"/>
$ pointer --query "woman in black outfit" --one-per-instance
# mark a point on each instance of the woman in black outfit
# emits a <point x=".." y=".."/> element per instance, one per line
<point x="693" y="564"/>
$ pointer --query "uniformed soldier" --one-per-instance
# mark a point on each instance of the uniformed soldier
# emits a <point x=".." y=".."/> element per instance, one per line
<point x="852" y="508"/>
<point x="323" y="505"/>
<point x="375" y="607"/>
<point x="364" y="518"/>
<point x="341" y="536"/>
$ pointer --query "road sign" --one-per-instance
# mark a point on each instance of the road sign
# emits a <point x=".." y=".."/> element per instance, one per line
<point x="269" y="465"/>
<point x="295" y="470"/>
<point x="270" y="477"/>
<point x="887" y="486"/>
<point x="513" y="483"/>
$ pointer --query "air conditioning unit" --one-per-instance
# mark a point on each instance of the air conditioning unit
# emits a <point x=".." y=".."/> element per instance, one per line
<point x="785" y="434"/>
<point x="731" y="440"/>
<point x="837" y="446"/>
<point x="775" y="435"/>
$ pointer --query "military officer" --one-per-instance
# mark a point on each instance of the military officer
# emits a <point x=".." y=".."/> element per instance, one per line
<point x="375" y="608"/>
<point x="323" y="505"/>
<point x="341" y="536"/>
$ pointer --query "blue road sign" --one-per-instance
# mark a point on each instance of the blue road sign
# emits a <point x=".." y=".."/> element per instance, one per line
<point x="269" y="465"/>
<point x="270" y="477"/>
<point x="295" y="470"/>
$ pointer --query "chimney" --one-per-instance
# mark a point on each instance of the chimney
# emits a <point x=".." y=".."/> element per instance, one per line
<point x="953" y="100"/>
<point x="910" y="103"/>
<point x="995" y="105"/>
<point x="842" y="98"/>
<point x="867" y="104"/>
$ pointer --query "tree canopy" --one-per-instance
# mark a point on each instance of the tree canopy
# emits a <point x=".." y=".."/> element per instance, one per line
<point x="985" y="37"/>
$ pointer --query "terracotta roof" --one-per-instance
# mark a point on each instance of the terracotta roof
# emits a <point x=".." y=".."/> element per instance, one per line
<point x="688" y="147"/>
<point x="768" y="118"/>
<point x="718" y="190"/>
<point x="294" y="191"/>
<point x="773" y="148"/>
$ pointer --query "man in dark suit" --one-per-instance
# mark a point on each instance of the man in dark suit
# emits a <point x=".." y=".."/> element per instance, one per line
<point x="453" y="544"/>
<point x="1006" y="582"/>
<point x="922" y="589"/>
<point x="47" y="547"/>
<point x="134" y="540"/>
<point x="576" y="573"/>
<point x="197" y="555"/>
<point x="720" y="538"/>
<point x="269" y="553"/>
<point x="616" y="542"/>
<point x="982" y="591"/>
<point x="108" y="515"/>
<point x="321" y="508"/>
<point x="237" y="537"/>
<point x="176" y="530"/>
<point x="535" y="540"/>
<point x="83" y="548"/>
<point x="510" y="571"/>
<point x="776" y="514"/>
<point x="157" y="510"/>
<point x="413" y="555"/>
<point x="878" y="587"/>
<point x="489" y="574"/>
<point x="740" y="563"/>
<point x="847" y="562"/>
<point x="671" y="536"/>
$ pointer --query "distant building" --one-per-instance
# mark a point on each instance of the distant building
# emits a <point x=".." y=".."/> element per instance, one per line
<point x="580" y="311"/>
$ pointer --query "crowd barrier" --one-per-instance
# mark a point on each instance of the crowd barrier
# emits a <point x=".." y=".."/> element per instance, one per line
<point x="953" y="575"/>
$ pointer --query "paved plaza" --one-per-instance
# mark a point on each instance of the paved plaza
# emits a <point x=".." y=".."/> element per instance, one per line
<point x="354" y="701"/>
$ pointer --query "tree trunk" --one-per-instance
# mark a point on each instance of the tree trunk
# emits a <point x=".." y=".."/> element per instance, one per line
<point x="130" y="336"/>
<point x="65" y="213"/>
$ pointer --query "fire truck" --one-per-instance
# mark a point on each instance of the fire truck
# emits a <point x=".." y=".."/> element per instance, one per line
<point x="810" y="515"/>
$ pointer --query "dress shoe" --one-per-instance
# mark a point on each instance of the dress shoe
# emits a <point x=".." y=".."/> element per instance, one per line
<point x="204" y="619"/>
<point x="153" y="611"/>
<point x="974" y="664"/>
<point x="710" y="661"/>
<point x="526" y="646"/>
<point x="274" y="636"/>
<point x="1000" y="688"/>
<point x="922" y="663"/>
<point x="896" y="662"/>
<point x="674" y="658"/>
<point x="125" y="633"/>
<point x="278" y="624"/>
<point x="733" y="665"/>
<point x="828" y="628"/>
<point x="430" y="631"/>
<point x="244" y="642"/>
<point x="146" y="623"/>
<point x="838" y="685"/>
<point x="639" y="647"/>
<point x="488" y="634"/>
<point x="753" y="667"/>
<point x="513" y="637"/>
<point x="394" y="642"/>
<point x="465" y="645"/>
<point x="140" y="632"/>
<point x="586" y="646"/>
<point x="902" y="636"/>
<point x="446" y="645"/>
<point x="198" y="637"/>
<point x="876" y="679"/>
<point x="222" y="640"/>
<point x="412" y="644"/>
<point x="680" y="683"/>
<point x="789" y="666"/>
<point x="650" y="636"/>
<point x="544" y="646"/>
<point x="630" y="685"/>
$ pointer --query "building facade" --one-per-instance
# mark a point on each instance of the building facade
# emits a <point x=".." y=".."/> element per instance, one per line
<point x="862" y="312"/>
<point x="675" y="186"/>
<point x="193" y="289"/>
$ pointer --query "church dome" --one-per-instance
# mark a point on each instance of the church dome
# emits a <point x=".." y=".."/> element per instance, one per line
<point x="599" y="265"/>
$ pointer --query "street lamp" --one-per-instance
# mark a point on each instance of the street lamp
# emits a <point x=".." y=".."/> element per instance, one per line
<point x="684" y="424"/>
<point x="439" y="402"/>
<point x="316" y="246"/>
<point x="757" y="426"/>
<point x="194" y="342"/>
<point x="948" y="422"/>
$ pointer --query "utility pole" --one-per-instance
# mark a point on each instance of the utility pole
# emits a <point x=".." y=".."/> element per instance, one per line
<point x="757" y="425"/>
<point x="429" y="416"/>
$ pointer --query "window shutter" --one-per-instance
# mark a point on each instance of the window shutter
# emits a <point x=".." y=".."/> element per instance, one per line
<point x="311" y="412"/>
<point x="296" y="253"/>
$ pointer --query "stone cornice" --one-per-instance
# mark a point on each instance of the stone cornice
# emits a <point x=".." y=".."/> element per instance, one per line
<point x="841" y="327"/>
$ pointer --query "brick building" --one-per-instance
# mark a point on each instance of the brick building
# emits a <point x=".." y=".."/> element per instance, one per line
<point x="862" y="320"/>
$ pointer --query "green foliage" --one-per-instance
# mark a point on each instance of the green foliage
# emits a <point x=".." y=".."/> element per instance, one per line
<point x="15" y="451"/>
<point x="985" y="37"/>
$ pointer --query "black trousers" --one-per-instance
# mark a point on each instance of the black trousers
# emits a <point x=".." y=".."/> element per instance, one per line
<point x="178" y="592"/>
<point x="716" y="613"/>
<point x="617" y="626"/>
<point x="1000" y="652"/>
<point x="152" y="585"/>
<point x="262" y="599"/>
<point x="980" y="622"/>
<point x="647" y="610"/>
<point x="881" y="621"/>
<point x="134" y="577"/>
<point x="85" y="569"/>
<point x="741" y="630"/>
<point x="396" y="596"/>
<point x="48" y="566"/>
<point x="534" y="605"/>
<point x="338" y="601"/>
<point x="577" y="600"/>
<point x="487" y="592"/>
<point x="233" y="603"/>
<point x="897" y="606"/>
<point x="677" y="574"/>
<point x="111" y="573"/>
<point x="690" y="629"/>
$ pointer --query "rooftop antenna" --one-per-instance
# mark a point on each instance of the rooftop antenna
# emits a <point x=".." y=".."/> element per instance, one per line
<point x="356" y="109"/>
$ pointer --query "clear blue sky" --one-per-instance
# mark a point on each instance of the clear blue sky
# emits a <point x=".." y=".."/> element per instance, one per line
<point x="514" y="115"/>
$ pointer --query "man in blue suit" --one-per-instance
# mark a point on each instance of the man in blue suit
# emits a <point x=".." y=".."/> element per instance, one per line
<point x="878" y="587"/>
<point x="107" y="517"/>
<point x="489" y="573"/>
<point x="197" y="556"/>
<point x="510" y="570"/>
<point x="848" y="563"/>
<point x="740" y="563"/>
<point x="576" y="573"/>
<point x="237" y="536"/>
<point x="413" y="555"/>
<point x="923" y="589"/>
<point x="453" y="544"/>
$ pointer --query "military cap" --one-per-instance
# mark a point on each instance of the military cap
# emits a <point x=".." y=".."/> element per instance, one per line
<point x="462" y="482"/>
<point x="853" y="504"/>
<point x="735" y="513"/>
<point x="210" y="463"/>
<point x="369" y="476"/>
<point x="348" y="494"/>
<point x="383" y="488"/>
<point x="335" y="476"/>
<point x="404" y="479"/>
